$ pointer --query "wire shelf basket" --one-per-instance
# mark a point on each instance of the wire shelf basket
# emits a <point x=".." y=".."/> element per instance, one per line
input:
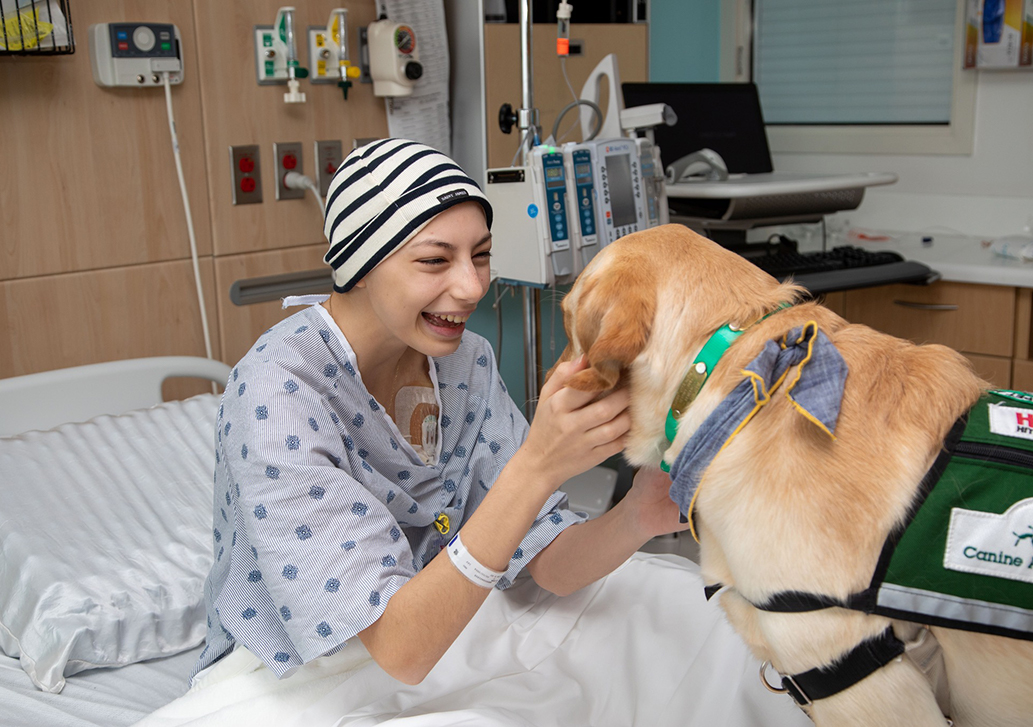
<point x="35" y="27"/>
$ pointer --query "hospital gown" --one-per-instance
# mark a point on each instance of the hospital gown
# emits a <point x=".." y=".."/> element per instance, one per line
<point x="323" y="510"/>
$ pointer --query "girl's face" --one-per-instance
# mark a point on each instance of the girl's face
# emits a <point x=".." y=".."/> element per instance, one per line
<point x="424" y="292"/>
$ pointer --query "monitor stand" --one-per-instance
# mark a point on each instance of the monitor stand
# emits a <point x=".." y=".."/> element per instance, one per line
<point x="732" y="236"/>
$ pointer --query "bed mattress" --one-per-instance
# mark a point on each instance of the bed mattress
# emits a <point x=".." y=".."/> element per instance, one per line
<point x="95" y="698"/>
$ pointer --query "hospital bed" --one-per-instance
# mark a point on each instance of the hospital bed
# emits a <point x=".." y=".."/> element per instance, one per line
<point x="90" y="458"/>
<point x="106" y="539"/>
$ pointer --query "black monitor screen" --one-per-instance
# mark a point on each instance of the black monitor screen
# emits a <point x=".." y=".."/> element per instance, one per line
<point x="622" y="196"/>
<point x="725" y="117"/>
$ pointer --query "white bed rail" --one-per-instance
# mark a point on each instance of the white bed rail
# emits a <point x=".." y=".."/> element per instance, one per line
<point x="49" y="398"/>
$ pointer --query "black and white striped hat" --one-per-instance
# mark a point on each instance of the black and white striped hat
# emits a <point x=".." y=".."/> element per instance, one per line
<point x="383" y="194"/>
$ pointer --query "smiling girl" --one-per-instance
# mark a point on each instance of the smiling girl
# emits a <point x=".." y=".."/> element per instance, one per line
<point x="362" y="436"/>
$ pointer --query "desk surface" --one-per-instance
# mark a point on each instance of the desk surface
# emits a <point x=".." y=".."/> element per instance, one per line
<point x="957" y="258"/>
<point x="776" y="183"/>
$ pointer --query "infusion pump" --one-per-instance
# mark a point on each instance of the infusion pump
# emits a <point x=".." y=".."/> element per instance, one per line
<point x="554" y="215"/>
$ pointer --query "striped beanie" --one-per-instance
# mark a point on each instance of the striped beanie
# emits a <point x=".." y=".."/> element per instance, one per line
<point x="381" y="196"/>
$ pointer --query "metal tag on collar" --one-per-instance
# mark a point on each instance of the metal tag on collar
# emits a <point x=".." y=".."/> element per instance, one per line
<point x="700" y="370"/>
<point x="696" y="376"/>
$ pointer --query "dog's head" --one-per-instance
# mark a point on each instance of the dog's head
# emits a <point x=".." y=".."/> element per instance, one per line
<point x="644" y="307"/>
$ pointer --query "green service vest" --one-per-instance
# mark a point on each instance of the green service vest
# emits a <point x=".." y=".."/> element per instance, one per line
<point x="965" y="559"/>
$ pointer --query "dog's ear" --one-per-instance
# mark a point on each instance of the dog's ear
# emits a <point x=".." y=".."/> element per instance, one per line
<point x="613" y="328"/>
<point x="564" y="357"/>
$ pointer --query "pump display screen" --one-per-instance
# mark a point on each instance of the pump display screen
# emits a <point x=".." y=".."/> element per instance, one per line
<point x="582" y="170"/>
<point x="553" y="173"/>
<point x="622" y="196"/>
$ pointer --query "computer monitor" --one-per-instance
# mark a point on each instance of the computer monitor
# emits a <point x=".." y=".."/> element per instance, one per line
<point x="725" y="117"/>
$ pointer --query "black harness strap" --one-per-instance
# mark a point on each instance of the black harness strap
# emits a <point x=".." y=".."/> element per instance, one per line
<point x="799" y="602"/>
<point x="710" y="590"/>
<point x="864" y="659"/>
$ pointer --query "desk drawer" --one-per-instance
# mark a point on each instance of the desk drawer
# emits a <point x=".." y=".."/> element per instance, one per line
<point x="967" y="317"/>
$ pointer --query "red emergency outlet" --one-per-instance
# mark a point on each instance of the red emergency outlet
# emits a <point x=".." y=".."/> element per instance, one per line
<point x="247" y="165"/>
<point x="247" y="184"/>
<point x="290" y="161"/>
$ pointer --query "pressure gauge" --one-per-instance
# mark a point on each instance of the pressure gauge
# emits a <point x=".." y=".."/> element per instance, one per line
<point x="405" y="40"/>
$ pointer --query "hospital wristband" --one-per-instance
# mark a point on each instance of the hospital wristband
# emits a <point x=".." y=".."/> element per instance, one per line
<point x="469" y="566"/>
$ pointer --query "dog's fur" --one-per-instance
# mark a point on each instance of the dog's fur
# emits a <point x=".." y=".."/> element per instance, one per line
<point x="784" y="507"/>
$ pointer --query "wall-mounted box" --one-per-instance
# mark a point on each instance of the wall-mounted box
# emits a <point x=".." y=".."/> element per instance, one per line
<point x="999" y="34"/>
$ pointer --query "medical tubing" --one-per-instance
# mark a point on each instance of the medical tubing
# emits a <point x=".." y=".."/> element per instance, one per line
<point x="190" y="218"/>
<point x="476" y="572"/>
<point x="580" y="102"/>
<point x="520" y="148"/>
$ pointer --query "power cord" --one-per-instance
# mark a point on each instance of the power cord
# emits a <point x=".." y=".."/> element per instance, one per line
<point x="293" y="180"/>
<point x="190" y="219"/>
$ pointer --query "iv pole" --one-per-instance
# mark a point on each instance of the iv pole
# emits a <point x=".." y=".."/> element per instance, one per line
<point x="527" y="122"/>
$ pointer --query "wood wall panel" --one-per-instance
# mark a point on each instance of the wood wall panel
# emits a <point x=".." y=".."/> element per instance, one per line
<point x="1023" y="322"/>
<point x="1022" y="375"/>
<point x="79" y="318"/>
<point x="240" y="326"/>
<point x="502" y="73"/>
<point x="239" y="111"/>
<point x="89" y="176"/>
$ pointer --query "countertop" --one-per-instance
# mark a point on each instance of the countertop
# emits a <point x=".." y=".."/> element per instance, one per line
<point x="958" y="258"/>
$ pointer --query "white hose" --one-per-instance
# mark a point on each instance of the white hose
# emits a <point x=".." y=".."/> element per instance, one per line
<point x="190" y="219"/>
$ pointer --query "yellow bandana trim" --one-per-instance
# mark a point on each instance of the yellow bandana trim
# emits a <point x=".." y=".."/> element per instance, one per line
<point x="761" y="396"/>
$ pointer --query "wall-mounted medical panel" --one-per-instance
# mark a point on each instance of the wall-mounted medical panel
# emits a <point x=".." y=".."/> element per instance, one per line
<point x="237" y="110"/>
<point x="96" y="184"/>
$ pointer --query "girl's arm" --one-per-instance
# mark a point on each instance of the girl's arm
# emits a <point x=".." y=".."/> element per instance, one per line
<point x="570" y="434"/>
<point x="584" y="553"/>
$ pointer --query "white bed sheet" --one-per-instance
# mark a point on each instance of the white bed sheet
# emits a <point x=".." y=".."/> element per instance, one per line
<point x="638" y="648"/>
<point x="96" y="698"/>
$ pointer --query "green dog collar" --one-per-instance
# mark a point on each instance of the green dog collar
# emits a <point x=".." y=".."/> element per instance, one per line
<point x="700" y="371"/>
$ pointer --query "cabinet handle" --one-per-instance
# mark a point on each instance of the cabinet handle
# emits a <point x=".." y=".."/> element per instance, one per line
<point x="925" y="306"/>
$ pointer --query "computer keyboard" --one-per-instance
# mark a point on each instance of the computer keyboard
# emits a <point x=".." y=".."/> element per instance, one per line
<point x="787" y="262"/>
<point x="843" y="268"/>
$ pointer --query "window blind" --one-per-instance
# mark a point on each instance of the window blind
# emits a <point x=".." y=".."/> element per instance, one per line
<point x="849" y="62"/>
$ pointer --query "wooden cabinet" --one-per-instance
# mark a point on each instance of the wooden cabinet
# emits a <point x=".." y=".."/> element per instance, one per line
<point x="989" y="324"/>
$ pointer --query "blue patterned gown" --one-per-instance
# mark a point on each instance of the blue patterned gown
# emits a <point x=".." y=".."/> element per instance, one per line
<point x="323" y="510"/>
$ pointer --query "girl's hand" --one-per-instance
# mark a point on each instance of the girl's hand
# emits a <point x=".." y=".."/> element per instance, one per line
<point x="570" y="432"/>
<point x="653" y="509"/>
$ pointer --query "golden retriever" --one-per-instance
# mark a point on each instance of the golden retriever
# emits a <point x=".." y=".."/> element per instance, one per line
<point x="784" y="506"/>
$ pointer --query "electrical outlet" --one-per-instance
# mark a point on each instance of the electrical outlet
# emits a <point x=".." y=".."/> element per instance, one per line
<point x="288" y="159"/>
<point x="246" y="173"/>
<point x="328" y="157"/>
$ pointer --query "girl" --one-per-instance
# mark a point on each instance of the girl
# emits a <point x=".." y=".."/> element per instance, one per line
<point x="361" y="436"/>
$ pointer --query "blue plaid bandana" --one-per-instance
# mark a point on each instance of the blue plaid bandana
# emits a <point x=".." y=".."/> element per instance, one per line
<point x="816" y="392"/>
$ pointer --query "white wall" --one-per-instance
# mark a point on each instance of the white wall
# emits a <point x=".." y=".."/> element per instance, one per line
<point x="989" y="193"/>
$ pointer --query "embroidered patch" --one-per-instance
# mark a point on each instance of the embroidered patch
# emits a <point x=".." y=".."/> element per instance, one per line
<point x="1011" y="421"/>
<point x="994" y="545"/>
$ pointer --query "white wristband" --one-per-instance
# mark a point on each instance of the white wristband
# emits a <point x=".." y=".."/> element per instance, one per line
<point x="469" y="566"/>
